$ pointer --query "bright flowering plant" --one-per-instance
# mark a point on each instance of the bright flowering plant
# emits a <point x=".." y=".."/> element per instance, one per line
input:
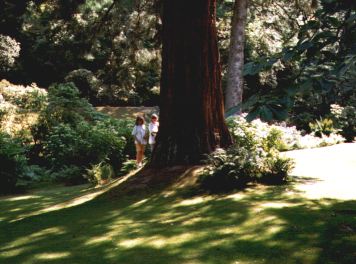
<point x="254" y="155"/>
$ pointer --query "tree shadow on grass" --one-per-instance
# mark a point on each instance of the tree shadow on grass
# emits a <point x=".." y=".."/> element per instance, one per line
<point x="262" y="225"/>
<point x="13" y="207"/>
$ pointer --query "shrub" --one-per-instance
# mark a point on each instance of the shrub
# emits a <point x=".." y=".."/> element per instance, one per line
<point x="121" y="129"/>
<point x="275" y="140"/>
<point x="70" y="133"/>
<point x="30" y="98"/>
<point x="345" y="119"/>
<point x="128" y="166"/>
<point x="64" y="146"/>
<point x="13" y="163"/>
<point x="277" y="170"/>
<point x="35" y="173"/>
<point x="277" y="136"/>
<point x="69" y="175"/>
<point x="230" y="169"/>
<point x="87" y="83"/>
<point x="66" y="106"/>
<point x="253" y="157"/>
<point x="324" y="126"/>
<point x="4" y="110"/>
<point x="9" y="51"/>
<point x="83" y="145"/>
<point x="100" y="173"/>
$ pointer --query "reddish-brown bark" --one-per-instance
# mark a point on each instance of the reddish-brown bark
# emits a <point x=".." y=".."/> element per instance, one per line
<point x="192" y="120"/>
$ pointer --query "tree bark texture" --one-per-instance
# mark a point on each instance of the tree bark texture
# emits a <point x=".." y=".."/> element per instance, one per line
<point x="192" y="122"/>
<point x="235" y="80"/>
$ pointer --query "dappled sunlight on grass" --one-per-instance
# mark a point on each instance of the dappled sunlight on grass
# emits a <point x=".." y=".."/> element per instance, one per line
<point x="49" y="256"/>
<point x="263" y="224"/>
<point x="15" y="207"/>
<point x="51" y="199"/>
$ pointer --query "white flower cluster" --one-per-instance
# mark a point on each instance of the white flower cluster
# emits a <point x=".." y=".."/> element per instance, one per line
<point x="290" y="137"/>
<point x="15" y="93"/>
<point x="15" y="113"/>
<point x="9" y="51"/>
<point x="20" y="90"/>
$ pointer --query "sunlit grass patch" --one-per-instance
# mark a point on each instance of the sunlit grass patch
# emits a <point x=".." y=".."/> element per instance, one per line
<point x="260" y="225"/>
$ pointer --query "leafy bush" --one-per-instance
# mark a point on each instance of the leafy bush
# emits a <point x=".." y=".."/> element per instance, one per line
<point x="100" y="173"/>
<point x="69" y="175"/>
<point x="278" y="135"/>
<point x="277" y="169"/>
<point x="88" y="85"/>
<point x="30" y="98"/>
<point x="13" y="163"/>
<point x="4" y="110"/>
<point x="70" y="133"/>
<point x="128" y="166"/>
<point x="83" y="145"/>
<point x="324" y="126"/>
<point x="253" y="157"/>
<point x="64" y="146"/>
<point x="275" y="140"/>
<point x="9" y="51"/>
<point x="121" y="128"/>
<point x="345" y="119"/>
<point x="231" y="169"/>
<point x="66" y="106"/>
<point x="35" y="173"/>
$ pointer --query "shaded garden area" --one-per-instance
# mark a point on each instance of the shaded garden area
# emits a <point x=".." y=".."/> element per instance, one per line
<point x="272" y="224"/>
<point x="177" y="131"/>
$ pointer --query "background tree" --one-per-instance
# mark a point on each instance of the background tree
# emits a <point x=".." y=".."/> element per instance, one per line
<point x="192" y="111"/>
<point x="116" y="41"/>
<point x="235" y="81"/>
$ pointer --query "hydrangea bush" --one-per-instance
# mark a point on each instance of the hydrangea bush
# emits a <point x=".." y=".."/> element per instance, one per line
<point x="255" y="154"/>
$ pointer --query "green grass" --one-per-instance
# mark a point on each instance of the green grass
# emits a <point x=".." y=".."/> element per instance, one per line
<point x="273" y="224"/>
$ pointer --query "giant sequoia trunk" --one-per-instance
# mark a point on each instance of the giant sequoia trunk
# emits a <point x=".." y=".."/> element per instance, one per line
<point x="235" y="81"/>
<point x="192" y="112"/>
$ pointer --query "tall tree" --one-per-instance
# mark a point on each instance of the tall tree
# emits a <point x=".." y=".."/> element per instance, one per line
<point x="235" y="82"/>
<point x="192" y="110"/>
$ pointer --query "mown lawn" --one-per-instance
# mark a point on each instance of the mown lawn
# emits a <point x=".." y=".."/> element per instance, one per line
<point x="260" y="225"/>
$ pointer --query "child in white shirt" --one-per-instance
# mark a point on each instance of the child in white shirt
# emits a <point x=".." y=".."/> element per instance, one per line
<point x="153" y="129"/>
<point x="139" y="133"/>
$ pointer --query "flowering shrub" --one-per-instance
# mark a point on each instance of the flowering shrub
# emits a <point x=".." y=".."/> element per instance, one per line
<point x="30" y="97"/>
<point x="253" y="157"/>
<point x="279" y="136"/>
<point x="255" y="154"/>
<point x="19" y="107"/>
<point x="9" y="51"/>
<point x="6" y="109"/>
<point x="345" y="119"/>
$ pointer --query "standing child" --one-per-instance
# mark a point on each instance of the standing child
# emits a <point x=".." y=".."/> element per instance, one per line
<point x="139" y="133"/>
<point x="153" y="129"/>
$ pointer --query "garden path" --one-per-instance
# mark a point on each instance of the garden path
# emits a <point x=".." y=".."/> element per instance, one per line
<point x="328" y="172"/>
